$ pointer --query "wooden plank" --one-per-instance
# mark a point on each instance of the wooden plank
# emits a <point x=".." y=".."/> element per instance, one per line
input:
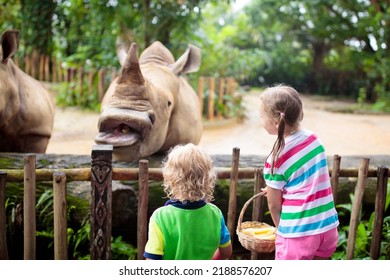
<point x="356" y="205"/>
<point x="380" y="202"/>
<point x="142" y="219"/>
<point x="60" y="211"/>
<point x="3" y="233"/>
<point x="29" y="200"/>
<point x="101" y="202"/>
<point x="120" y="174"/>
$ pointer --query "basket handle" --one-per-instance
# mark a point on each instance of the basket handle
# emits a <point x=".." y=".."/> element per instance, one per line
<point x="244" y="209"/>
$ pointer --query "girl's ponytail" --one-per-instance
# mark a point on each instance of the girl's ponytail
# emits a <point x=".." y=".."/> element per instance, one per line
<point x="279" y="143"/>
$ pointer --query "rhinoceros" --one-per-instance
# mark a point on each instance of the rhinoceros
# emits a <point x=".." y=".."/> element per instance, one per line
<point x="150" y="107"/>
<point x="26" y="107"/>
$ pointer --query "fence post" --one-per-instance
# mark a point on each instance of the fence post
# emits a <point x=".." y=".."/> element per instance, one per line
<point x="101" y="84"/>
<point x="380" y="202"/>
<point x="101" y="202"/>
<point x="29" y="200"/>
<point x="142" y="219"/>
<point x="60" y="210"/>
<point x="41" y="69"/>
<point x="3" y="234"/>
<point x="200" y="94"/>
<point x="232" y="207"/>
<point x="210" y="111"/>
<point x="335" y="176"/>
<point x="47" y="68"/>
<point x="258" y="202"/>
<point x="80" y="78"/>
<point x="221" y="92"/>
<point x="60" y="71"/>
<point x="359" y="191"/>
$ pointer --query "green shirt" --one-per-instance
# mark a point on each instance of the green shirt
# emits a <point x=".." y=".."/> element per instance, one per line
<point x="186" y="231"/>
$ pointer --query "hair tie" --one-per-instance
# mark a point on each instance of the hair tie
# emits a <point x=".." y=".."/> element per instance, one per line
<point x="282" y="114"/>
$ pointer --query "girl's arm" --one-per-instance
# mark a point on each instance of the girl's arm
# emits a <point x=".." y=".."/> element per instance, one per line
<point x="274" y="198"/>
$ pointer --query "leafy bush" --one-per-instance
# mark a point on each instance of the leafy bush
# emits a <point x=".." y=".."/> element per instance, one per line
<point x="363" y="234"/>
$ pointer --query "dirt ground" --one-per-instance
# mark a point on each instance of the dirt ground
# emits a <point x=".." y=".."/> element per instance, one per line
<point x="343" y="134"/>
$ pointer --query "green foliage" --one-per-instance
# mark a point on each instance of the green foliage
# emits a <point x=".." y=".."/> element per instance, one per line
<point x="363" y="233"/>
<point x="78" y="235"/>
<point x="337" y="48"/>
<point x="69" y="95"/>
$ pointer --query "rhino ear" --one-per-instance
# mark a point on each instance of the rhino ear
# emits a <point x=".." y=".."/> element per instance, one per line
<point x="9" y="43"/>
<point x="188" y="62"/>
<point x="131" y="72"/>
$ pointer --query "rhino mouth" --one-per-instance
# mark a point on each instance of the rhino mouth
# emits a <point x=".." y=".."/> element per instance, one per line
<point x="119" y="127"/>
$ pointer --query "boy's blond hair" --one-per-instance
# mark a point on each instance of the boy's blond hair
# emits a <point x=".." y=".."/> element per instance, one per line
<point x="188" y="174"/>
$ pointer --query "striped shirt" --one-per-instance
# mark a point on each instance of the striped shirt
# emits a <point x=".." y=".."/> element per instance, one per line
<point x="301" y="173"/>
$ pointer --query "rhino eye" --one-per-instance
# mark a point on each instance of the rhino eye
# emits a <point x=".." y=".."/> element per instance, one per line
<point x="169" y="103"/>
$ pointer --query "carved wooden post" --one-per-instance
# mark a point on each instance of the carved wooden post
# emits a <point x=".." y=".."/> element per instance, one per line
<point x="101" y="196"/>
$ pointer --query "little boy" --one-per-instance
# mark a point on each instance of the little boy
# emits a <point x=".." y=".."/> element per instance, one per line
<point x="188" y="227"/>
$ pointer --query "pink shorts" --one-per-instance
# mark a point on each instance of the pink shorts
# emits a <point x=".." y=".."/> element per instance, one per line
<point x="306" y="248"/>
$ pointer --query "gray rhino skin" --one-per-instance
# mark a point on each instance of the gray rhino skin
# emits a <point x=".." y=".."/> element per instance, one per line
<point x="150" y="108"/>
<point x="26" y="107"/>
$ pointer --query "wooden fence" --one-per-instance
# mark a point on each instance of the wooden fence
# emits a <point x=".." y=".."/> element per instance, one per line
<point x="102" y="173"/>
<point x="214" y="93"/>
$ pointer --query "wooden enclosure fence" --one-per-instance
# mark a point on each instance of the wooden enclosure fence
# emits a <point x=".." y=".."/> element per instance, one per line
<point x="101" y="174"/>
<point x="214" y="93"/>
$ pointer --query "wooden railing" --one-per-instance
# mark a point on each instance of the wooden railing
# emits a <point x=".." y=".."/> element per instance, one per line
<point x="101" y="174"/>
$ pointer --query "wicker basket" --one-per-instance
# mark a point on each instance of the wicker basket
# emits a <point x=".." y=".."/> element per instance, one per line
<point x="251" y="243"/>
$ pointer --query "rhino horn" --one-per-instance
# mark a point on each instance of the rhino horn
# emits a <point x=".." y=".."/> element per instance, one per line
<point x="131" y="72"/>
<point x="9" y="43"/>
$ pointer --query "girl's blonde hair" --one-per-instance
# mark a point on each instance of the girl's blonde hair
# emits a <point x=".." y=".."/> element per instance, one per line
<point x="188" y="174"/>
<point x="282" y="104"/>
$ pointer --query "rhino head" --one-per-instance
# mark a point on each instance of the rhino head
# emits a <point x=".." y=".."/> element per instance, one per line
<point x="26" y="107"/>
<point x="150" y="108"/>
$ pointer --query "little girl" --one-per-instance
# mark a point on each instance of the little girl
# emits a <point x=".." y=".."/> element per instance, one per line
<point x="299" y="192"/>
<point x="188" y="227"/>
